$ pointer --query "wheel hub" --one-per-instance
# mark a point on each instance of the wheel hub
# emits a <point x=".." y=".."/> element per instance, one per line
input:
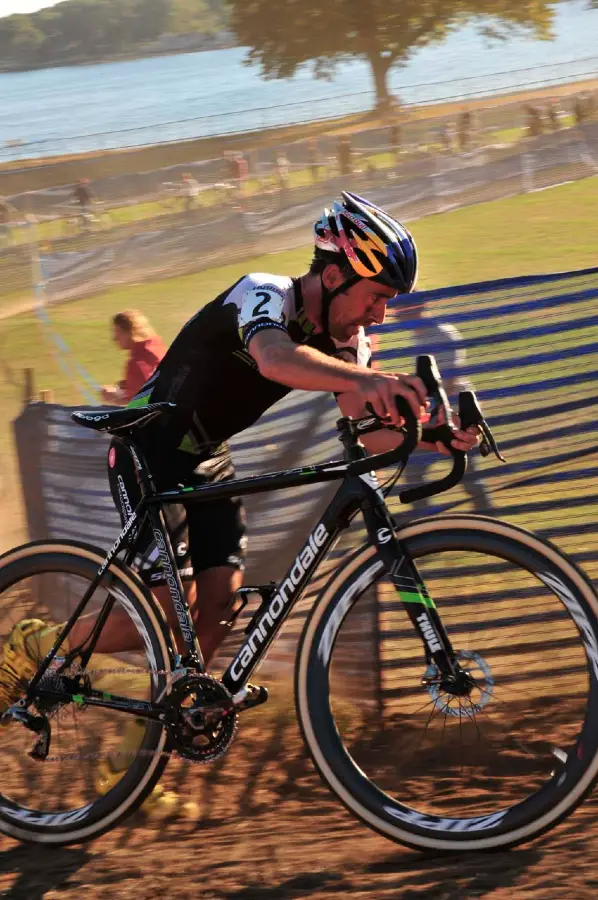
<point x="466" y="693"/>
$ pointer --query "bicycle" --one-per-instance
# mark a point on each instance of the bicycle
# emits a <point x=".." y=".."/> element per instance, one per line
<point x="418" y="769"/>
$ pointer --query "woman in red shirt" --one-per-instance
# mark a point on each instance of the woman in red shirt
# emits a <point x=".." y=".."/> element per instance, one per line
<point x="133" y="332"/>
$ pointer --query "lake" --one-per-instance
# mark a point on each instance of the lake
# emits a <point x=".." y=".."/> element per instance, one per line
<point x="122" y="104"/>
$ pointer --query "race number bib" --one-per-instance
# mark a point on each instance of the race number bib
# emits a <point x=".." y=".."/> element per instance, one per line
<point x="262" y="303"/>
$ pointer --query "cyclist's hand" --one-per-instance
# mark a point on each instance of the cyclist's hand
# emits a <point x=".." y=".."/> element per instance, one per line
<point x="464" y="440"/>
<point x="380" y="389"/>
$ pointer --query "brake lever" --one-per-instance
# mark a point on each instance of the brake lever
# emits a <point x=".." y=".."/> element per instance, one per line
<point x="470" y="413"/>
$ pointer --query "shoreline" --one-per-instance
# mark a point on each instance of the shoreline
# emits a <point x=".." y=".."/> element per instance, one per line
<point x="38" y="173"/>
<point x="120" y="57"/>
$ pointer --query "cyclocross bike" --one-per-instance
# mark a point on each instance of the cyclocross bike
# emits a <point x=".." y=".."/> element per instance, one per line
<point x="471" y="725"/>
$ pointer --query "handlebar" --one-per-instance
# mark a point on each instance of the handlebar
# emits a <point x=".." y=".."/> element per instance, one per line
<point x="470" y="413"/>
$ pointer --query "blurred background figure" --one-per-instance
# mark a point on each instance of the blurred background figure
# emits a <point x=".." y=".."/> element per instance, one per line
<point x="84" y="197"/>
<point x="282" y="171"/>
<point x="554" y="114"/>
<point x="7" y="217"/>
<point x="395" y="139"/>
<point x="313" y="159"/>
<point x="464" y="127"/>
<point x="535" y="123"/>
<point x="241" y="174"/>
<point x="133" y="333"/>
<point x="345" y="155"/>
<point x="445" y="342"/>
<point x="189" y="191"/>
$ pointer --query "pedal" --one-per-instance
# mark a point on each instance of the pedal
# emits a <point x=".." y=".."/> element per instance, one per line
<point x="250" y="696"/>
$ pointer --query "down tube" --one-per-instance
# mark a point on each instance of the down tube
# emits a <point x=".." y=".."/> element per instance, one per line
<point x="289" y="591"/>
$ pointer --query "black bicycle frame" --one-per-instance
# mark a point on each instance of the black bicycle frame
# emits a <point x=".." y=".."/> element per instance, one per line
<point x="359" y="490"/>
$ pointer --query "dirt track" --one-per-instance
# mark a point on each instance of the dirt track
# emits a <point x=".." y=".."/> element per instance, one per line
<point x="269" y="830"/>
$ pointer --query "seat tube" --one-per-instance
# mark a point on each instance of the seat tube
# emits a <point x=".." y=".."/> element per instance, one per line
<point x="175" y="586"/>
<point x="167" y="560"/>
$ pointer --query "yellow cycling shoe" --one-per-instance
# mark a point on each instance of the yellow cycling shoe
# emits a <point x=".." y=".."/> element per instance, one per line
<point x="160" y="804"/>
<point x="20" y="660"/>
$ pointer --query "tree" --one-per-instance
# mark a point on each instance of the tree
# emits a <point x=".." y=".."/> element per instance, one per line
<point x="285" y="35"/>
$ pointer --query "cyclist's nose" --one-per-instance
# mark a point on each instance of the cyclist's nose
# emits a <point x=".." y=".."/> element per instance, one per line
<point x="378" y="312"/>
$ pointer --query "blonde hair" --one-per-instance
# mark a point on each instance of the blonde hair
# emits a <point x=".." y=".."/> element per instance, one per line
<point x="135" y="324"/>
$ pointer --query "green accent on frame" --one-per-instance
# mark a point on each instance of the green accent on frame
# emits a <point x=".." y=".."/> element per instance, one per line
<point x="79" y="699"/>
<point x="410" y="597"/>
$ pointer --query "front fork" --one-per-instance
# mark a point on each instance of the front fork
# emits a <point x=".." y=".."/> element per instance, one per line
<point x="410" y="588"/>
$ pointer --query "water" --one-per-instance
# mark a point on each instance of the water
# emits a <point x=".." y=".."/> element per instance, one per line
<point x="123" y="104"/>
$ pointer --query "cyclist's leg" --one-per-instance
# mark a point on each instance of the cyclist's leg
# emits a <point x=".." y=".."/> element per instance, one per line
<point x="217" y="544"/>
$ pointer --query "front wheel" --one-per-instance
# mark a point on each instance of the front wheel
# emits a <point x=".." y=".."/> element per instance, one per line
<point x="484" y="768"/>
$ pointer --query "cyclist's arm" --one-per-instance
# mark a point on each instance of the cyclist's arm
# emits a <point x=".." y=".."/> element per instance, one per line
<point x="298" y="366"/>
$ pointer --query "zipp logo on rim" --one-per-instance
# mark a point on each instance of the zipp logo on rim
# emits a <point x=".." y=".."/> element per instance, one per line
<point x="437" y="823"/>
<point x="577" y="614"/>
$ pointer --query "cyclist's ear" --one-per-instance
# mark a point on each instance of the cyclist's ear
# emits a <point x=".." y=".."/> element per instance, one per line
<point x="332" y="276"/>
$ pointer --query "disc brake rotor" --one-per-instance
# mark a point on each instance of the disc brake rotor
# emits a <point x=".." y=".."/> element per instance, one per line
<point x="462" y="707"/>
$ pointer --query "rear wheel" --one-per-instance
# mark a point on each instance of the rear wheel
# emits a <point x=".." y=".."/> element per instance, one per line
<point x="490" y="765"/>
<point x="66" y="799"/>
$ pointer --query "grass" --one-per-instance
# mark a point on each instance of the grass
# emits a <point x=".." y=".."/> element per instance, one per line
<point x="551" y="230"/>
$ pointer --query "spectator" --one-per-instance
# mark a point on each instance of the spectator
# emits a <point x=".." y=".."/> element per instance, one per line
<point x="345" y="155"/>
<point x="241" y="176"/>
<point x="535" y="125"/>
<point x="7" y="213"/>
<point x="282" y="169"/>
<point x="133" y="333"/>
<point x="579" y="110"/>
<point x="464" y="130"/>
<point x="313" y="159"/>
<point x="554" y="114"/>
<point x="84" y="196"/>
<point x="189" y="191"/>
<point x="443" y="341"/>
<point x="395" y="139"/>
<point x="445" y="135"/>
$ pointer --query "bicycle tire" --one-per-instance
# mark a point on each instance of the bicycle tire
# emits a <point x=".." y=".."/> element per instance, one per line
<point x="377" y="809"/>
<point x="89" y="821"/>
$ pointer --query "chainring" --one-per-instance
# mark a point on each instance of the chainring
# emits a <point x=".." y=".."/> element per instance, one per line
<point x="205" y="719"/>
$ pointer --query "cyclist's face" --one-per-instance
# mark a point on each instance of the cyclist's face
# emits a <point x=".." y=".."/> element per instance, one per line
<point x="364" y="304"/>
<point x="121" y="338"/>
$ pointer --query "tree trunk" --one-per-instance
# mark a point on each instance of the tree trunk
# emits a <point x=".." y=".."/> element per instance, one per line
<point x="380" y="69"/>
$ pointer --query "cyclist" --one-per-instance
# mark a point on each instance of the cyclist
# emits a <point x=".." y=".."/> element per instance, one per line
<point x="259" y="339"/>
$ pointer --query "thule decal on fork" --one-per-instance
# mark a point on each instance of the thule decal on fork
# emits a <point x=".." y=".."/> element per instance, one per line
<point x="411" y="590"/>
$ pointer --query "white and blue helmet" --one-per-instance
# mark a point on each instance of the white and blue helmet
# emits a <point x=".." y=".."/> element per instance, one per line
<point x="374" y="244"/>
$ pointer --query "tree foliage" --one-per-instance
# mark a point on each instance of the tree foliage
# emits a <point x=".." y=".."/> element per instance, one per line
<point x="285" y="35"/>
<point x="92" y="29"/>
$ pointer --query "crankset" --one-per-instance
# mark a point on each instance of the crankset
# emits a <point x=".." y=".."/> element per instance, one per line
<point x="205" y="718"/>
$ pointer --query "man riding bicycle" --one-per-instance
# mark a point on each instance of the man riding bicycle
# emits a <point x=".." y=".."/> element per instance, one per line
<point x="243" y="351"/>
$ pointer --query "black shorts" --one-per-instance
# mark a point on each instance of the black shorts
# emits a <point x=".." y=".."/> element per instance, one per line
<point x="203" y="535"/>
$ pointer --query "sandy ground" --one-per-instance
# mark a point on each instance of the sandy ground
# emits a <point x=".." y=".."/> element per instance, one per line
<point x="268" y="829"/>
